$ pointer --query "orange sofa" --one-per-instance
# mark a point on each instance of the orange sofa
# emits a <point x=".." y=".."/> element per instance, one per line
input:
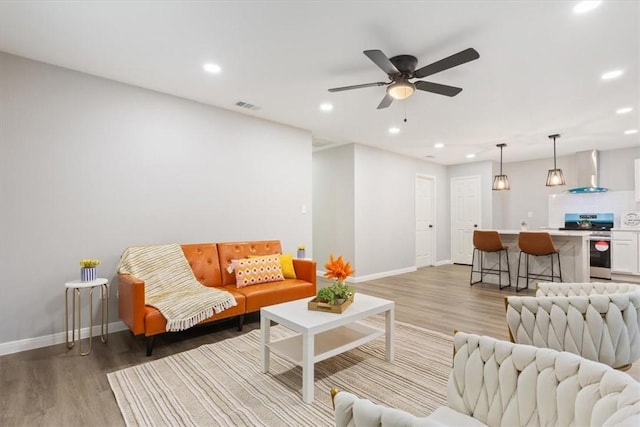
<point x="209" y="262"/>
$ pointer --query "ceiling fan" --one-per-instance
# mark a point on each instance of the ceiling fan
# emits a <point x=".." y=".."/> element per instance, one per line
<point x="402" y="68"/>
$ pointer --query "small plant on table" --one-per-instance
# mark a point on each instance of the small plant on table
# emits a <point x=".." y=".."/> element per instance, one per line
<point x="338" y="292"/>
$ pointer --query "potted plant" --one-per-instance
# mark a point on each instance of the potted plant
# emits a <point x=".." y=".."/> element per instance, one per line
<point x="88" y="269"/>
<point x="584" y="223"/>
<point x="339" y="292"/>
<point x="301" y="253"/>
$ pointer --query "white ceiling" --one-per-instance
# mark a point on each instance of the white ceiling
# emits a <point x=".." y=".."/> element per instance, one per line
<point x="538" y="73"/>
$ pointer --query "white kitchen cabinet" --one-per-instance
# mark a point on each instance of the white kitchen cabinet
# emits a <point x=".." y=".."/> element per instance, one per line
<point x="637" y="163"/>
<point x="625" y="252"/>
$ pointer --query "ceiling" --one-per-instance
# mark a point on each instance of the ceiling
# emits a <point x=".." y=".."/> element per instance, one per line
<point x="539" y="71"/>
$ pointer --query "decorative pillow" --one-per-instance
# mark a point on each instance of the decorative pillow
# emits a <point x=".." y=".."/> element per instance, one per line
<point x="286" y="260"/>
<point x="262" y="269"/>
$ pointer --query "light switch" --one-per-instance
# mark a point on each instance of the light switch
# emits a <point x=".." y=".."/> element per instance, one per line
<point x="530" y="214"/>
<point x="303" y="209"/>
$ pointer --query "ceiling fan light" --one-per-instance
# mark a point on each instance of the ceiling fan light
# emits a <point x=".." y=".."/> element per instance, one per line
<point x="555" y="177"/>
<point x="400" y="90"/>
<point x="501" y="182"/>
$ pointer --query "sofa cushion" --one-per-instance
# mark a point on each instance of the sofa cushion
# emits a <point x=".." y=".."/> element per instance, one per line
<point x="286" y="261"/>
<point x="265" y="294"/>
<point x="203" y="259"/>
<point x="237" y="250"/>
<point x="155" y="322"/>
<point x="256" y="270"/>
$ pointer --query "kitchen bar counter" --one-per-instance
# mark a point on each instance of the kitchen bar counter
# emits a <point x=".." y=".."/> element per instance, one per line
<point x="574" y="257"/>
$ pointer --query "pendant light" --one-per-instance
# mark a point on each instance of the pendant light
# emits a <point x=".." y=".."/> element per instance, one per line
<point x="501" y="182"/>
<point x="555" y="176"/>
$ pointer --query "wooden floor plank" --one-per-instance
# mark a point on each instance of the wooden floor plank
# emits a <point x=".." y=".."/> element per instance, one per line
<point x="54" y="386"/>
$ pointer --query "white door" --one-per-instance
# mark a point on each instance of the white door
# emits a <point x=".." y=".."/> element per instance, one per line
<point x="465" y="216"/>
<point x="425" y="208"/>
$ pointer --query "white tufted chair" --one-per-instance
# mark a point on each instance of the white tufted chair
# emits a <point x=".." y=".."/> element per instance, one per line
<point x="499" y="383"/>
<point x="599" y="321"/>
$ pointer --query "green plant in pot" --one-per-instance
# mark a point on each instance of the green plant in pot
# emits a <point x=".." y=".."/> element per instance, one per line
<point x="584" y="223"/>
<point x="337" y="293"/>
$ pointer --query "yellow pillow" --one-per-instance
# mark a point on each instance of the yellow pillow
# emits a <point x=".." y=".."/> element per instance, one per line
<point x="286" y="261"/>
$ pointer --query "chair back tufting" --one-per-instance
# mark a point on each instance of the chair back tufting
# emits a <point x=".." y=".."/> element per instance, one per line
<point x="507" y="384"/>
<point x="599" y="321"/>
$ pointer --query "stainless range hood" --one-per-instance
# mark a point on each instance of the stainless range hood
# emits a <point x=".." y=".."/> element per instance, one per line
<point x="587" y="168"/>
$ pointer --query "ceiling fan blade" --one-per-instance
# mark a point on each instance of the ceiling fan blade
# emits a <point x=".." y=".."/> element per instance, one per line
<point x="338" y="89"/>
<point x="381" y="60"/>
<point x="446" y="63"/>
<point x="386" y="101"/>
<point x="437" y="88"/>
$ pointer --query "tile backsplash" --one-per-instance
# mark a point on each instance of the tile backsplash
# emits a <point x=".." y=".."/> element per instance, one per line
<point x="611" y="201"/>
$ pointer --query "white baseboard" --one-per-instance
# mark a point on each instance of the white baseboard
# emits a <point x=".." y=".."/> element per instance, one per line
<point x="53" y="339"/>
<point x="443" y="262"/>
<point x="382" y="274"/>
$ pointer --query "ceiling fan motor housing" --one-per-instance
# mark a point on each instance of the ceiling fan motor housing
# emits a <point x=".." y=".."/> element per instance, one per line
<point x="406" y="64"/>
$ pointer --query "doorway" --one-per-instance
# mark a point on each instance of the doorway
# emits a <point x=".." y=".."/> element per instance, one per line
<point x="425" y="220"/>
<point x="465" y="217"/>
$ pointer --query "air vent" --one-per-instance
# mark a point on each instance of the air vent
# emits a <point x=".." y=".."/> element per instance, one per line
<point x="429" y="156"/>
<point x="247" y="106"/>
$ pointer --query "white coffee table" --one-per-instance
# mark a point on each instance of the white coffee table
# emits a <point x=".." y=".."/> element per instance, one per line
<point x="322" y="335"/>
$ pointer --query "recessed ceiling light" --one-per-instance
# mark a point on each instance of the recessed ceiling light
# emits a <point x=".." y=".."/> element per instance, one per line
<point x="470" y="156"/>
<point x="624" y="110"/>
<point x="438" y="145"/>
<point x="630" y="131"/>
<point x="326" y="106"/>
<point x="394" y="130"/>
<point x="212" y="68"/>
<point x="611" y="74"/>
<point x="586" y="6"/>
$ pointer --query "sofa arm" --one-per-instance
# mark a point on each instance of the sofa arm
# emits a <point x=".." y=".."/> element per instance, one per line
<point x="305" y="270"/>
<point x="131" y="305"/>
<point x="352" y="411"/>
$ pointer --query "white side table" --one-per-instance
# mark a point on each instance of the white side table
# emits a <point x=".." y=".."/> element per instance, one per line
<point x="77" y="286"/>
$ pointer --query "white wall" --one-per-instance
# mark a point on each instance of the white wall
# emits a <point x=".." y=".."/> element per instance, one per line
<point x="385" y="210"/>
<point x="529" y="194"/>
<point x="364" y="202"/>
<point x="617" y="167"/>
<point x="333" y="201"/>
<point x="90" y="166"/>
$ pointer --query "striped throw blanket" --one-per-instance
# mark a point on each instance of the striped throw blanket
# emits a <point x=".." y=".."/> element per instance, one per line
<point x="171" y="287"/>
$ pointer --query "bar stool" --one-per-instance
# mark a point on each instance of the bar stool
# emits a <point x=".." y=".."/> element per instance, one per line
<point x="537" y="244"/>
<point x="489" y="241"/>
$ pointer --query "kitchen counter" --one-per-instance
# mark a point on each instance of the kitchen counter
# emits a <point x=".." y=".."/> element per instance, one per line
<point x="552" y="232"/>
<point x="574" y="256"/>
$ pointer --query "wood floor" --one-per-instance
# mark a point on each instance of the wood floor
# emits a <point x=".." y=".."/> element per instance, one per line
<point x="54" y="387"/>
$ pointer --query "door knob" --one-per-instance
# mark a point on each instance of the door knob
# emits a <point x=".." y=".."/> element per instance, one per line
<point x="430" y="226"/>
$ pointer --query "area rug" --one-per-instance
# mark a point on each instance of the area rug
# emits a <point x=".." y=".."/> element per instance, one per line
<point x="221" y="384"/>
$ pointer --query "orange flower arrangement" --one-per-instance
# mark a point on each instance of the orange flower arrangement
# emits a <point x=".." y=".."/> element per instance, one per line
<point x="337" y="269"/>
<point x="338" y="292"/>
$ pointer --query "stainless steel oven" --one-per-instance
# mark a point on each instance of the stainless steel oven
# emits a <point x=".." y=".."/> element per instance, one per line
<point x="600" y="256"/>
<point x="600" y="225"/>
